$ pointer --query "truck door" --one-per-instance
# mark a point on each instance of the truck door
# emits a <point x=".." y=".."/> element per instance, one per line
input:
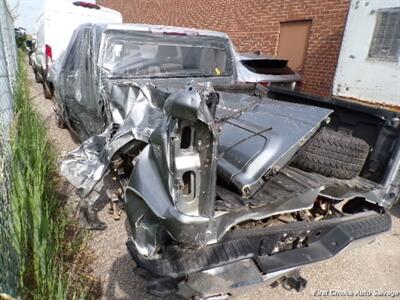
<point x="80" y="102"/>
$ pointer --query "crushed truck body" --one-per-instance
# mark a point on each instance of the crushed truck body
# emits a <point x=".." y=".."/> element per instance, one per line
<point x="214" y="187"/>
<point x="226" y="185"/>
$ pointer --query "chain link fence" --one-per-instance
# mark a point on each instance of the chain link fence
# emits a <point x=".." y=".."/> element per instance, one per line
<point x="8" y="74"/>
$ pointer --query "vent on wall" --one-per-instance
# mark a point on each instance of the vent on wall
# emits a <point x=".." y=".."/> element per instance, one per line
<point x="385" y="44"/>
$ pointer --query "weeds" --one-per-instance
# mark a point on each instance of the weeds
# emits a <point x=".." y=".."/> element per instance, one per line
<point x="46" y="240"/>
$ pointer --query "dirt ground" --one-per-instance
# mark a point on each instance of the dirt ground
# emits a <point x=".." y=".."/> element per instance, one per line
<point x="373" y="267"/>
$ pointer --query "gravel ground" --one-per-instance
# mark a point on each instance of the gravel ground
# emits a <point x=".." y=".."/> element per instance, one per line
<point x="373" y="267"/>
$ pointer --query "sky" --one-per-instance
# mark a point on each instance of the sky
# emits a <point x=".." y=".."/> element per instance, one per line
<point x="27" y="11"/>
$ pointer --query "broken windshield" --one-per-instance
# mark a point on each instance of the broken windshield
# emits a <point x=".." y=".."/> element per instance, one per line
<point x="147" y="55"/>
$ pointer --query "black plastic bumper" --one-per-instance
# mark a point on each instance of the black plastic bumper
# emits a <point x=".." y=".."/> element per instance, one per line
<point x="321" y="240"/>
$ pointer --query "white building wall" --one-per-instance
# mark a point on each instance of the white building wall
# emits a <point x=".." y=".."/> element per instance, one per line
<point x="357" y="75"/>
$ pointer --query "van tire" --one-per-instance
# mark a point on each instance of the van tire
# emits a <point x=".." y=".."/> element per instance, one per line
<point x="333" y="154"/>
<point x="47" y="91"/>
<point x="37" y="78"/>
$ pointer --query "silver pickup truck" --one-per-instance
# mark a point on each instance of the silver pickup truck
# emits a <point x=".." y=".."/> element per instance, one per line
<point x="224" y="185"/>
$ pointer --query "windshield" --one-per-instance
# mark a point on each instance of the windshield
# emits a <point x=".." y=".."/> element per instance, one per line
<point x="141" y="55"/>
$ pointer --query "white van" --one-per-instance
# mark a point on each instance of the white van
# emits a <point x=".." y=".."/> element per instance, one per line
<point x="54" y="28"/>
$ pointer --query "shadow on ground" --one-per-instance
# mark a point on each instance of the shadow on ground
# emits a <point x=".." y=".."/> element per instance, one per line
<point x="124" y="282"/>
<point x="395" y="210"/>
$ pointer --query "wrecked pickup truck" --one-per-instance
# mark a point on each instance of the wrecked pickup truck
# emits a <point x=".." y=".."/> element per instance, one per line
<point x="227" y="186"/>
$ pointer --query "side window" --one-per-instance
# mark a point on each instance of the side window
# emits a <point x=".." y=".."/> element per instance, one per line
<point x="385" y="44"/>
<point x="86" y="52"/>
<point x="87" y="80"/>
<point x="87" y="57"/>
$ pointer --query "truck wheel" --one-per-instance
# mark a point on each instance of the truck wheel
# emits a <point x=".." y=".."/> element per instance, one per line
<point x="48" y="93"/>
<point x="333" y="154"/>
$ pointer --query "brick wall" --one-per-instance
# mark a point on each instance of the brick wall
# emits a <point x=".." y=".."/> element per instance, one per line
<point x="254" y="25"/>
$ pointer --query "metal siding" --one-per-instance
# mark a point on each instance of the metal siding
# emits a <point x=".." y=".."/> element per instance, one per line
<point x="358" y="75"/>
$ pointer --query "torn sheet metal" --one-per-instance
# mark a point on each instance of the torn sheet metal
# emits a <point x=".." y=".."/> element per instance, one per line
<point x="136" y="111"/>
<point x="108" y="107"/>
<point x="175" y="175"/>
<point x="173" y="180"/>
<point x="258" y="135"/>
<point x="188" y="138"/>
<point x="186" y="205"/>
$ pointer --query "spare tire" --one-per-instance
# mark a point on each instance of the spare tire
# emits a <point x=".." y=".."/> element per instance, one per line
<point x="333" y="154"/>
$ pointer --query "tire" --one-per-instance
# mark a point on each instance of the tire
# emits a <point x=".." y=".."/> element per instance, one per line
<point x="333" y="154"/>
<point x="48" y="93"/>
<point x="59" y="119"/>
<point x="37" y="78"/>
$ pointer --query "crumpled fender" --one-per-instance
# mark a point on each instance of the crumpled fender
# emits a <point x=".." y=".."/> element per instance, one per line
<point x="175" y="175"/>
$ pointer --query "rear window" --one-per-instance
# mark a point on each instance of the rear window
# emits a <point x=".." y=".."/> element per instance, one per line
<point x="156" y="55"/>
<point x="268" y="66"/>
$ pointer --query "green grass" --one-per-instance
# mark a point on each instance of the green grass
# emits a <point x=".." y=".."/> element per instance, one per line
<point x="45" y="237"/>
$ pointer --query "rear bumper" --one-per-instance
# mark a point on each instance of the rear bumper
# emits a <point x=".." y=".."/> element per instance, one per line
<point x="255" y="251"/>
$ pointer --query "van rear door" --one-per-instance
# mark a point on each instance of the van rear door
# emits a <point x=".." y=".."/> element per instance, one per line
<point x="62" y="19"/>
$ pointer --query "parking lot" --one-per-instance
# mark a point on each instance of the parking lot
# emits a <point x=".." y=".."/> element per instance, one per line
<point x="373" y="267"/>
